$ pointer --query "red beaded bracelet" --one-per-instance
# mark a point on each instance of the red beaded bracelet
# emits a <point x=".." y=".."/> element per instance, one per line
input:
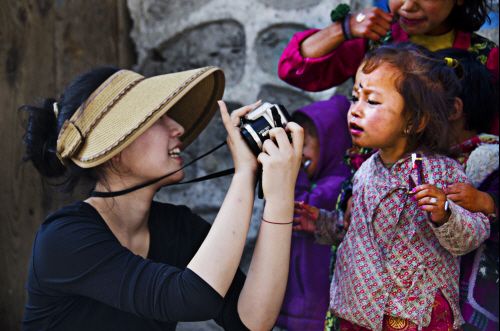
<point x="279" y="223"/>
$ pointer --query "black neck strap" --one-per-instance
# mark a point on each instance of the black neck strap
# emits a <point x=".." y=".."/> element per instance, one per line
<point x="226" y="172"/>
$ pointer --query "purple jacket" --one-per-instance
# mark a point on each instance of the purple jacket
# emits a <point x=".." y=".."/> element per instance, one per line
<point x="307" y="295"/>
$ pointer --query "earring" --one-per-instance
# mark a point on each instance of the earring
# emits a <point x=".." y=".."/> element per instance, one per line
<point x="406" y="131"/>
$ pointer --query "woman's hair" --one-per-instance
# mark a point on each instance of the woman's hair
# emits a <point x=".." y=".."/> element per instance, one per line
<point x="471" y="15"/>
<point x="428" y="87"/>
<point x="43" y="126"/>
<point x="479" y="93"/>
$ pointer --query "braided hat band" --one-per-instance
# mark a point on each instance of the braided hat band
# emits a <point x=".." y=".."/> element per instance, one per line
<point x="127" y="104"/>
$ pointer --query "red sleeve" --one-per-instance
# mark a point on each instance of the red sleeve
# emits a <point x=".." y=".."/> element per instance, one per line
<point x="492" y="65"/>
<point x="317" y="74"/>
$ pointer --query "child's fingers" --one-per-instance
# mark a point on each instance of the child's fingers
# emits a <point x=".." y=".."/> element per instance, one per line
<point x="297" y="228"/>
<point x="455" y="197"/>
<point x="298" y="204"/>
<point x="428" y="201"/>
<point x="387" y="17"/>
<point x="379" y="30"/>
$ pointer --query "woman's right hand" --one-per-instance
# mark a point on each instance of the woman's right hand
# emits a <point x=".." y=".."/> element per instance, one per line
<point x="243" y="157"/>
<point x="281" y="161"/>
<point x="370" y="23"/>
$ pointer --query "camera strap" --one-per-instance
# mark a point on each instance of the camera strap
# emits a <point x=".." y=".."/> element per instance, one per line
<point x="226" y="172"/>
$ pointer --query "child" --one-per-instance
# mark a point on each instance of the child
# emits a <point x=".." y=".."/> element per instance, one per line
<point x="315" y="59"/>
<point x="398" y="267"/>
<point x="306" y="298"/>
<point x="478" y="153"/>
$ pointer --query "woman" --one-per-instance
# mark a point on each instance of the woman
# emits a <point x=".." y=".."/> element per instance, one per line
<point x="119" y="260"/>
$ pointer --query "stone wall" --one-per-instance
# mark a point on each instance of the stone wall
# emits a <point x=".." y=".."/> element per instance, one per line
<point x="243" y="37"/>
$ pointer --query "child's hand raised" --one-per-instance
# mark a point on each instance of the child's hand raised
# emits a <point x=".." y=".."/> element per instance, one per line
<point x="305" y="217"/>
<point x="371" y="23"/>
<point x="432" y="200"/>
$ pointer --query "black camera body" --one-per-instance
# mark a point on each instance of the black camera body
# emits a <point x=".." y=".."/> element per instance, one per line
<point x="256" y="124"/>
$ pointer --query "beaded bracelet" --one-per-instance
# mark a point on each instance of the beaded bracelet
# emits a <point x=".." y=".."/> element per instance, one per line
<point x="346" y="27"/>
<point x="278" y="223"/>
<point x="341" y="14"/>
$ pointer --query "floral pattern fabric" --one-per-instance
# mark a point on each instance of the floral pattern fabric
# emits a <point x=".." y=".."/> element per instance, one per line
<point x="392" y="260"/>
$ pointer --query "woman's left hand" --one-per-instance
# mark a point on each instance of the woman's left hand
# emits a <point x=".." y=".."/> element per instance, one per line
<point x="432" y="199"/>
<point x="243" y="157"/>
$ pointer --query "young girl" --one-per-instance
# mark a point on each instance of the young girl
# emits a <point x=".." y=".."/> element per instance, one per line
<point x="398" y="266"/>
<point x="318" y="183"/>
<point x="315" y="59"/>
<point x="478" y="153"/>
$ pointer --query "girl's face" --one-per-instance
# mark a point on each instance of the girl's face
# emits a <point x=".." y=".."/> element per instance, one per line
<point x="428" y="17"/>
<point x="310" y="152"/>
<point x="155" y="152"/>
<point x="376" y="117"/>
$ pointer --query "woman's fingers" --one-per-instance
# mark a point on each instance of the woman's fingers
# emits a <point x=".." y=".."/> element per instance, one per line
<point x="297" y="134"/>
<point x="240" y="112"/>
<point x="269" y="147"/>
<point x="226" y="119"/>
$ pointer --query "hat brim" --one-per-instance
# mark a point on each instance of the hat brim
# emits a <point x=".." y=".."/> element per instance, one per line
<point x="189" y="97"/>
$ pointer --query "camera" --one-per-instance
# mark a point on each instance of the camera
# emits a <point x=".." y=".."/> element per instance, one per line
<point x="256" y="124"/>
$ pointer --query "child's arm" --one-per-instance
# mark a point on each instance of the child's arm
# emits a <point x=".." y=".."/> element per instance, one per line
<point x="322" y="223"/>
<point x="457" y="229"/>
<point x="468" y="197"/>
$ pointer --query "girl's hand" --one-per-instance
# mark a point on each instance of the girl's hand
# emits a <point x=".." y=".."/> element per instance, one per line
<point x="280" y="161"/>
<point x="371" y="23"/>
<point x="243" y="157"/>
<point x="347" y="214"/>
<point x="468" y="197"/>
<point x="305" y="217"/>
<point x="432" y="199"/>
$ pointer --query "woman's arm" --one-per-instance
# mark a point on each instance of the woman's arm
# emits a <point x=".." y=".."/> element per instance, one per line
<point x="218" y="258"/>
<point x="262" y="295"/>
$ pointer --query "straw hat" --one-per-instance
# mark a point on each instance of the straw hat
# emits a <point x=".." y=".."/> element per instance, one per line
<point x="127" y="104"/>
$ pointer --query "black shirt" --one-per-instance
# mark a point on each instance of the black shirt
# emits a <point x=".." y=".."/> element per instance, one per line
<point x="82" y="278"/>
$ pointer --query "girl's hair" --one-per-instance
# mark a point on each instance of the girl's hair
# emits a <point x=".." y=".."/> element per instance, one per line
<point x="479" y="93"/>
<point x="305" y="122"/>
<point x="471" y="15"/>
<point x="428" y="87"/>
<point x="43" y="126"/>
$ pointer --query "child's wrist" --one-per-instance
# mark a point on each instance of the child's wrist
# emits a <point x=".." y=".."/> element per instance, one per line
<point x="488" y="204"/>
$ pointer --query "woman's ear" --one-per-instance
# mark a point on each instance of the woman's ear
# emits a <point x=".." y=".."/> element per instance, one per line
<point x="458" y="110"/>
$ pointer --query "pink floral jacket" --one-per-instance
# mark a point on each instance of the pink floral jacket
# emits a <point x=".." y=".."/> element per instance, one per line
<point x="393" y="260"/>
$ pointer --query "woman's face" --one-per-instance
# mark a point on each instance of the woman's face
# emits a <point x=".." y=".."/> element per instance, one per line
<point x="428" y="17"/>
<point x="376" y="118"/>
<point x="155" y="153"/>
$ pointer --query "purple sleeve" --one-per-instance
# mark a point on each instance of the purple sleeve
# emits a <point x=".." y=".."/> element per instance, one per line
<point x="317" y="74"/>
